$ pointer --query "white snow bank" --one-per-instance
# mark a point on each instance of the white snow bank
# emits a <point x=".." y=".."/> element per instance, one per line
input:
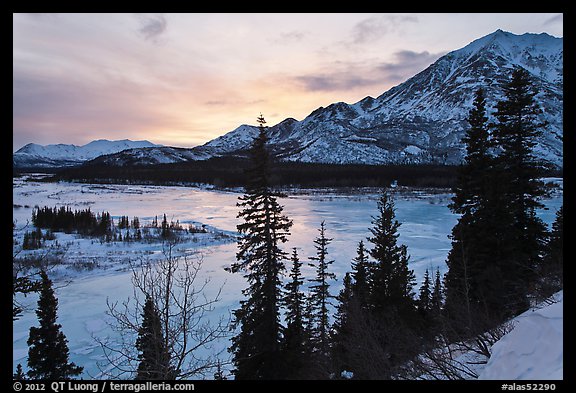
<point x="533" y="349"/>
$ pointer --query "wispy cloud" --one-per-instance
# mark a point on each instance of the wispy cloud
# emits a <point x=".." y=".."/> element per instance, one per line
<point x="289" y="37"/>
<point x="343" y="76"/>
<point x="374" y="28"/>
<point x="407" y="63"/>
<point x="151" y="26"/>
<point x="333" y="81"/>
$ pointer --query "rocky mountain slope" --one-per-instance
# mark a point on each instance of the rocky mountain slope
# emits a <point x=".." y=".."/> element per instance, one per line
<point x="423" y="119"/>
<point x="419" y="121"/>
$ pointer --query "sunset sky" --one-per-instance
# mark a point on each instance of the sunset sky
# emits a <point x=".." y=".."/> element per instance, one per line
<point x="184" y="79"/>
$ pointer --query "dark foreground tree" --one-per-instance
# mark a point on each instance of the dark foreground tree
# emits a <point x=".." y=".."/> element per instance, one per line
<point x="376" y="329"/>
<point x="173" y="324"/>
<point x="153" y="354"/>
<point x="390" y="278"/>
<point x="257" y="346"/>
<point x="19" y="375"/>
<point x="341" y="335"/>
<point x="48" y="353"/>
<point x="360" y="274"/>
<point x="520" y="172"/>
<point x="390" y="331"/>
<point x="425" y="297"/>
<point x="295" y="345"/>
<point x="474" y="282"/>
<point x="320" y="295"/>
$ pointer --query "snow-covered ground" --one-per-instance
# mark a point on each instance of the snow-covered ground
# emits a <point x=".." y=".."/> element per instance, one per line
<point x="533" y="349"/>
<point x="426" y="223"/>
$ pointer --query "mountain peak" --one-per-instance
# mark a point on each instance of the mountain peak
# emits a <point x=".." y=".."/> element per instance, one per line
<point x="423" y="119"/>
<point x="420" y="121"/>
<point x="68" y="154"/>
<point x="507" y="40"/>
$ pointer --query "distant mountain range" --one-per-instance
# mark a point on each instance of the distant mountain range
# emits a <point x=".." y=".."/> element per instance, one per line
<point x="62" y="155"/>
<point x="419" y="121"/>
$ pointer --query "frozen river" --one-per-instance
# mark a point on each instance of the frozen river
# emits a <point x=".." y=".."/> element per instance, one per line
<point x="425" y="225"/>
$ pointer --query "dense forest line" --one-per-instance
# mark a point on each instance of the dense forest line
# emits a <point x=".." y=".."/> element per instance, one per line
<point x="230" y="172"/>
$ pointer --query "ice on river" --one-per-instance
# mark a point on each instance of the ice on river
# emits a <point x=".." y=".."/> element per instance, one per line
<point x="425" y="221"/>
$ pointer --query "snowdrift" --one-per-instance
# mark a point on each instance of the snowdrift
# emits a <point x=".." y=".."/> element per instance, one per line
<point x="533" y="349"/>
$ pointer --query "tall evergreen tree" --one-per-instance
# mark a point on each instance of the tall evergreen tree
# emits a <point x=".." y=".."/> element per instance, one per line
<point x="516" y="132"/>
<point x="391" y="281"/>
<point x="425" y="297"/>
<point x="393" y="321"/>
<point x="295" y="343"/>
<point x="474" y="277"/>
<point x="471" y="187"/>
<point x="360" y="273"/>
<point x="257" y="346"/>
<point x="341" y="335"/>
<point x="48" y="353"/>
<point x="352" y="320"/>
<point x="436" y="301"/>
<point x="153" y="356"/>
<point x="320" y="292"/>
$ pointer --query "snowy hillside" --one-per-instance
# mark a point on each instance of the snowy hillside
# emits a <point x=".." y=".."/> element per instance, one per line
<point x="533" y="349"/>
<point x="65" y="155"/>
<point x="423" y="119"/>
<point x="149" y="156"/>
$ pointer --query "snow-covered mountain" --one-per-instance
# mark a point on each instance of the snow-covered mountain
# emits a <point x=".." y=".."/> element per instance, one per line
<point x="59" y="155"/>
<point x="423" y="119"/>
<point x="150" y="156"/>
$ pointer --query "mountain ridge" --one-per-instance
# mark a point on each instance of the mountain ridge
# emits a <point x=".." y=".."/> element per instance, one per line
<point x="60" y="154"/>
<point x="419" y="121"/>
<point x="423" y="119"/>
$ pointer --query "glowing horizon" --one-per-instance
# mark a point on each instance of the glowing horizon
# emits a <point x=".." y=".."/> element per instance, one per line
<point x="184" y="79"/>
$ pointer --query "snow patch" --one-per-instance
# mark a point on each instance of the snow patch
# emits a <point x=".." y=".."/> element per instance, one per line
<point x="413" y="150"/>
<point x="533" y="349"/>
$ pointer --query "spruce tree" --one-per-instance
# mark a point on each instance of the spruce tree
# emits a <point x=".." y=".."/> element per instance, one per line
<point x="352" y="319"/>
<point x="391" y="280"/>
<point x="519" y="171"/>
<point x="474" y="277"/>
<point x="425" y="297"/>
<point x="393" y="321"/>
<point x="295" y="344"/>
<point x="360" y="273"/>
<point x="436" y="301"/>
<point x="320" y="292"/>
<point x="19" y="375"/>
<point x="257" y="346"/>
<point x="153" y="355"/>
<point x="48" y="353"/>
<point x="341" y="335"/>
<point x="470" y="189"/>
